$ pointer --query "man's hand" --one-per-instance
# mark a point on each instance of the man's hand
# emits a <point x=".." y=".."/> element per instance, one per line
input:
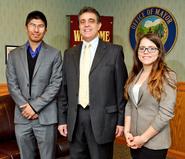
<point x="28" y="112"/>
<point x="119" y="131"/>
<point x="63" y="130"/>
<point x="35" y="116"/>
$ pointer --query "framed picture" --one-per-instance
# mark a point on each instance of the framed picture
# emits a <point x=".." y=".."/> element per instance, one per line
<point x="8" y="48"/>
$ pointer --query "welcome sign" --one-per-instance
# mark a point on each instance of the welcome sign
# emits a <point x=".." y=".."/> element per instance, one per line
<point x="105" y="33"/>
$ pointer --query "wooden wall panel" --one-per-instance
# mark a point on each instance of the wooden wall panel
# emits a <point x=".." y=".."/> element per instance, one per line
<point x="177" y="149"/>
<point x="3" y="89"/>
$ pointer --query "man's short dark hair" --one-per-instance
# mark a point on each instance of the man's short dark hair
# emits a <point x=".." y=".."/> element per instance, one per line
<point x="90" y="10"/>
<point x="36" y="15"/>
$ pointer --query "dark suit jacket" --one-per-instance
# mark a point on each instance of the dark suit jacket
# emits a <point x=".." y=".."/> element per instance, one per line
<point x="106" y="81"/>
<point x="46" y="82"/>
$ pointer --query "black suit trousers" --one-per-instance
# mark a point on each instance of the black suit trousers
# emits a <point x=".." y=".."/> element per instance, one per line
<point x="83" y="145"/>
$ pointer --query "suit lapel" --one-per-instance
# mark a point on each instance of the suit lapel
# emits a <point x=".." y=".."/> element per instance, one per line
<point x="140" y="89"/>
<point x="24" y="60"/>
<point x="100" y="52"/>
<point x="140" y="92"/>
<point x="131" y="94"/>
<point x="76" y="58"/>
<point x="40" y="58"/>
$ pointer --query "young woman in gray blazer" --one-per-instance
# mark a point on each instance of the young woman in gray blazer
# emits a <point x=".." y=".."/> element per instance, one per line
<point x="151" y="94"/>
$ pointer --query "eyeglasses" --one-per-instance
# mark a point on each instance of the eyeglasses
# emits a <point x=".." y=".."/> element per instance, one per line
<point x="34" y="26"/>
<point x="142" y="49"/>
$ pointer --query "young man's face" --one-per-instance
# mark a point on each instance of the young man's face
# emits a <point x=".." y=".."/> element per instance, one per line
<point x="89" y="26"/>
<point x="36" y="30"/>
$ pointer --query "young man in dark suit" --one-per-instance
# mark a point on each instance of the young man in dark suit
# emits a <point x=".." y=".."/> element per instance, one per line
<point x="91" y="103"/>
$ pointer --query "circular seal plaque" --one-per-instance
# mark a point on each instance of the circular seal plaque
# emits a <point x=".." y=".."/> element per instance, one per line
<point x="154" y="20"/>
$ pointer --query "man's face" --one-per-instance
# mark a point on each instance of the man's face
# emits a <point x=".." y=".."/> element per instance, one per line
<point x="89" y="26"/>
<point x="36" y="30"/>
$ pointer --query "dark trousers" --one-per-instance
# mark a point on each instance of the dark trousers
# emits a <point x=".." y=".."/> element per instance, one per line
<point x="145" y="153"/>
<point x="83" y="145"/>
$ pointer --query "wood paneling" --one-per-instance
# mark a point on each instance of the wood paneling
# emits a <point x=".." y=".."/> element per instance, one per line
<point x="3" y="89"/>
<point x="177" y="149"/>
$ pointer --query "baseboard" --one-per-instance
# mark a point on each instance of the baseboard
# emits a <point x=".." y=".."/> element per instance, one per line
<point x="175" y="154"/>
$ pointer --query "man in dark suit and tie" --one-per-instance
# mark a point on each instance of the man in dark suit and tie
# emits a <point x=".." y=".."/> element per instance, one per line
<point x="91" y="103"/>
<point x="34" y="78"/>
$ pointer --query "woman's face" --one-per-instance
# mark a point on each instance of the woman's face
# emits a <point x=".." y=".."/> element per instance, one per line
<point x="147" y="52"/>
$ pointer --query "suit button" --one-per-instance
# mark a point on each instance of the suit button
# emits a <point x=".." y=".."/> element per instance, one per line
<point x="27" y="85"/>
<point x="76" y="94"/>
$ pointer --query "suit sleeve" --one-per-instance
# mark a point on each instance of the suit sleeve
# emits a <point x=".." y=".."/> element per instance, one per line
<point x="13" y="85"/>
<point x="128" y="109"/>
<point x="62" y="97"/>
<point x="53" y="87"/>
<point x="166" y="107"/>
<point x="121" y="76"/>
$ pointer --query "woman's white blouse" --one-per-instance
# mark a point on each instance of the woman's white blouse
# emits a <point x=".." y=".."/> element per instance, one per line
<point x="136" y="92"/>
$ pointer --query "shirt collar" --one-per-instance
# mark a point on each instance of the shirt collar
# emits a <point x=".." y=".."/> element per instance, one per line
<point x="94" y="42"/>
<point x="33" y="53"/>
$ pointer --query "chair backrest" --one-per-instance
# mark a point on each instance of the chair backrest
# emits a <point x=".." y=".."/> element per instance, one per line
<point x="7" y="106"/>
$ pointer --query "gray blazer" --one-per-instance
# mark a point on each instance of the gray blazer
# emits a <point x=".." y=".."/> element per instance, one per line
<point x="107" y="77"/>
<point x="148" y="112"/>
<point x="46" y="82"/>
